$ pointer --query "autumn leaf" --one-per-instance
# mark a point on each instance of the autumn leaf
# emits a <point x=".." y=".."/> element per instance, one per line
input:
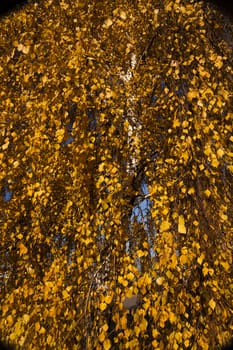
<point x="201" y="258"/>
<point x="212" y="304"/>
<point x="165" y="226"/>
<point x="23" y="250"/>
<point x="159" y="281"/>
<point x="181" y="225"/>
<point x="103" y="306"/>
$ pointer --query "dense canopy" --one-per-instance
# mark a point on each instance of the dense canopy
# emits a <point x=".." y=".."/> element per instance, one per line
<point x="116" y="175"/>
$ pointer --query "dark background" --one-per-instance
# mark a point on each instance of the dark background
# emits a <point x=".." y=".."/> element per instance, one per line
<point x="226" y="6"/>
<point x="9" y="5"/>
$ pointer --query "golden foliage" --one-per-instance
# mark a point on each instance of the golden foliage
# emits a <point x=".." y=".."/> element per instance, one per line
<point x="116" y="175"/>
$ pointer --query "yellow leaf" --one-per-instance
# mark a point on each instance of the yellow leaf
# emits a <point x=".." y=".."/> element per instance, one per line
<point x="205" y="269"/>
<point x="123" y="322"/>
<point x="141" y="281"/>
<point x="215" y="163"/>
<point x="154" y="312"/>
<point x="155" y="333"/>
<point x="107" y="23"/>
<point x="165" y="226"/>
<point x="159" y="281"/>
<point x="181" y="225"/>
<point x="218" y="62"/>
<point x="59" y="135"/>
<point x="207" y="193"/>
<point x="52" y="312"/>
<point x="69" y="204"/>
<point x="201" y="167"/>
<point x="174" y="261"/>
<point x="169" y="274"/>
<point x="105" y="327"/>
<point x="140" y="253"/>
<point x="176" y="123"/>
<point x="122" y="15"/>
<point x="182" y="308"/>
<point x="22" y="48"/>
<point x="108" y="299"/>
<point x="178" y="337"/>
<point x="185" y="156"/>
<point x="9" y="320"/>
<point x="16" y="164"/>
<point x="225" y="265"/>
<point x="220" y="152"/>
<point x="42" y="330"/>
<point x="172" y="317"/>
<point x="122" y="281"/>
<point x="22" y="249"/>
<point x="26" y="318"/>
<point x="104" y="205"/>
<point x="201" y="258"/>
<point x="230" y="167"/>
<point x="107" y="344"/>
<point x="212" y="304"/>
<point x="143" y="324"/>
<point x="155" y="345"/>
<point x="147" y="279"/>
<point x="137" y="331"/>
<point x="49" y="339"/>
<point x="170" y="161"/>
<point x="65" y="294"/>
<point x="100" y="181"/>
<point x="5" y="308"/>
<point x="102" y="336"/>
<point x="192" y="94"/>
<point x="183" y="259"/>
<point x="5" y="145"/>
<point x="130" y="276"/>
<point x="109" y="93"/>
<point x="103" y="306"/>
<point x="164" y="316"/>
<point x="37" y="326"/>
<point x="101" y="167"/>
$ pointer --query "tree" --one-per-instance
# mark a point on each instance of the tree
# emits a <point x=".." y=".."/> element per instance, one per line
<point x="116" y="176"/>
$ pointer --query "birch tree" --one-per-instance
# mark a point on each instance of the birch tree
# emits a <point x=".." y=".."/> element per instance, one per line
<point x="116" y="175"/>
